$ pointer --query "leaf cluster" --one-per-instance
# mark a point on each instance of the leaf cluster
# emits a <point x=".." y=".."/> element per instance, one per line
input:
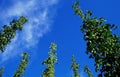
<point x="75" y="66"/>
<point x="9" y="32"/>
<point x="1" y="71"/>
<point x="102" y="45"/>
<point x="50" y="62"/>
<point x="87" y="70"/>
<point x="22" y="66"/>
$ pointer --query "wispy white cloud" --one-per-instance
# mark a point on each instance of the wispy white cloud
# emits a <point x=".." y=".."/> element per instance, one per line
<point x="21" y="8"/>
<point x="38" y="12"/>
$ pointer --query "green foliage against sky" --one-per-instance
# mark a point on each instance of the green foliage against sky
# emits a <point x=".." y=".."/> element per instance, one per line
<point x="87" y="70"/>
<point x="75" y="67"/>
<point x="22" y="66"/>
<point x="102" y="45"/>
<point x="50" y="62"/>
<point x="9" y="32"/>
<point x="1" y="71"/>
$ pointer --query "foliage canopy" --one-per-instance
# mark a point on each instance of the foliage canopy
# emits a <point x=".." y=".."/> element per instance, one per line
<point x="102" y="45"/>
<point x="75" y="66"/>
<point x="50" y="62"/>
<point x="9" y="32"/>
<point x="87" y="70"/>
<point x="1" y="71"/>
<point x="22" y="66"/>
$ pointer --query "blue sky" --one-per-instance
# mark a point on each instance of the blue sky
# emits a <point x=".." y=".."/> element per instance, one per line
<point x="51" y="21"/>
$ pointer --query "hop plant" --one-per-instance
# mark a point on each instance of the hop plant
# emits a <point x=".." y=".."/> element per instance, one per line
<point x="1" y="71"/>
<point x="22" y="66"/>
<point x="75" y="66"/>
<point x="102" y="45"/>
<point x="87" y="70"/>
<point x="50" y="62"/>
<point x="9" y="32"/>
